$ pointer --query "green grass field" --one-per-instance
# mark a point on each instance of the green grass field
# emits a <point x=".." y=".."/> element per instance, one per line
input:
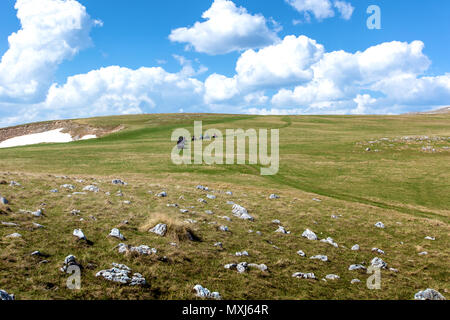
<point x="399" y="182"/>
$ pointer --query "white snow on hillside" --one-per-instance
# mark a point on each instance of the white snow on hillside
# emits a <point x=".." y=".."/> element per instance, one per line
<point x="52" y="136"/>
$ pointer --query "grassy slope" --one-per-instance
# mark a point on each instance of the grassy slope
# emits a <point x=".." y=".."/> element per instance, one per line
<point x="322" y="155"/>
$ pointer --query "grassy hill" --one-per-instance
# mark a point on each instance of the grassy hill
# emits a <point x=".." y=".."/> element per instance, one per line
<point x="403" y="181"/>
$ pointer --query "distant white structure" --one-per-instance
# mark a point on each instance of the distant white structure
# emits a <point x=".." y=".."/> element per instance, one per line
<point x="52" y="136"/>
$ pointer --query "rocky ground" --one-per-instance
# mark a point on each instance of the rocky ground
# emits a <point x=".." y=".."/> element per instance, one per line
<point x="138" y="238"/>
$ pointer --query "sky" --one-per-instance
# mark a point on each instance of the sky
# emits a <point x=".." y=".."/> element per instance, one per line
<point x="64" y="59"/>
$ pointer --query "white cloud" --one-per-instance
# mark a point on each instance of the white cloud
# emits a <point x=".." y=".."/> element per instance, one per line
<point x="345" y="9"/>
<point x="51" y="31"/>
<point x="116" y="90"/>
<point x="227" y="28"/>
<point x="322" y="9"/>
<point x="285" y="63"/>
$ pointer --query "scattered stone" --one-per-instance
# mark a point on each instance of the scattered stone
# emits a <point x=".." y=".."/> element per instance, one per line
<point x="91" y="188"/>
<point x="224" y="228"/>
<point x="70" y="260"/>
<point x="261" y="267"/>
<point x="9" y="224"/>
<point x="380" y="225"/>
<point x="218" y="244"/>
<point x="281" y="229"/>
<point x="67" y="186"/>
<point x="230" y="203"/>
<point x="241" y="212"/>
<point x="38" y="226"/>
<point x="121" y="273"/>
<point x="14" y="235"/>
<point x="75" y="212"/>
<point x="240" y="254"/>
<point x="330" y="241"/>
<point x="320" y="257"/>
<point x="430" y="238"/>
<point x="173" y="205"/>
<point x="202" y="200"/>
<point x="377" y="250"/>
<point x="119" y="182"/>
<point x="159" y="229"/>
<point x="393" y="270"/>
<point x="332" y="277"/>
<point x="355" y="281"/>
<point x="242" y="267"/>
<point x="301" y="253"/>
<point x="116" y="234"/>
<point x="54" y="191"/>
<point x="127" y="202"/>
<point x="424" y="253"/>
<point x="274" y="196"/>
<point x="184" y="211"/>
<point x="209" y="212"/>
<point x="141" y="250"/>
<point x="4" y="296"/>
<point x="205" y="293"/>
<point x="200" y="187"/>
<point x="3" y="201"/>
<point x="276" y="221"/>
<point x="229" y="193"/>
<point x="230" y="266"/>
<point x="378" y="263"/>
<point x="211" y="196"/>
<point x="317" y="200"/>
<point x="304" y="275"/>
<point x="14" y="184"/>
<point x="36" y="253"/>
<point x="355" y="247"/>
<point x="79" y="234"/>
<point x="356" y="267"/>
<point x="309" y="235"/>
<point x="162" y="194"/>
<point x="429" y="294"/>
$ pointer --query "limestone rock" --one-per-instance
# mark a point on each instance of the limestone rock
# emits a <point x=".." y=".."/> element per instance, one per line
<point x="309" y="235"/>
<point x="205" y="293"/>
<point x="159" y="229"/>
<point x="429" y="294"/>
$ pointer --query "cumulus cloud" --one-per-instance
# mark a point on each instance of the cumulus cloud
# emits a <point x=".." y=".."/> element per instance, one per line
<point x="322" y="9"/>
<point x="51" y="31"/>
<point x="227" y="28"/>
<point x="285" y="63"/>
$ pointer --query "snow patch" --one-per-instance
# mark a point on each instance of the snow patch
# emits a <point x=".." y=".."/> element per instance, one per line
<point x="52" y="136"/>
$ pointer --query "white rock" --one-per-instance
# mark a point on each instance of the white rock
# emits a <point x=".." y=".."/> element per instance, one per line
<point x="380" y="225"/>
<point x="224" y="228"/>
<point x="119" y="182"/>
<point x="429" y="294"/>
<point x="14" y="235"/>
<point x="241" y="212"/>
<point x="378" y="263"/>
<point x="309" y="235"/>
<point x="159" y="229"/>
<point x="424" y="253"/>
<point x="243" y="253"/>
<point x="332" y="277"/>
<point x="320" y="257"/>
<point x="162" y="194"/>
<point x="355" y="247"/>
<point x="122" y="274"/>
<point x="355" y="281"/>
<point x="301" y="253"/>
<point x="274" y="196"/>
<point x="281" y="229"/>
<point x="211" y="196"/>
<point x="356" y="267"/>
<point x="91" y="188"/>
<point x="205" y="293"/>
<point x="304" y="275"/>
<point x="276" y="221"/>
<point x="3" y="201"/>
<point x="5" y="296"/>
<point x="116" y="234"/>
<point x="430" y="238"/>
<point x="79" y="234"/>
<point x="330" y="241"/>
<point x="377" y="250"/>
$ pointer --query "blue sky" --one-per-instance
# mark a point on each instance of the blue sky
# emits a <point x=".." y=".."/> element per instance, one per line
<point x="159" y="69"/>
